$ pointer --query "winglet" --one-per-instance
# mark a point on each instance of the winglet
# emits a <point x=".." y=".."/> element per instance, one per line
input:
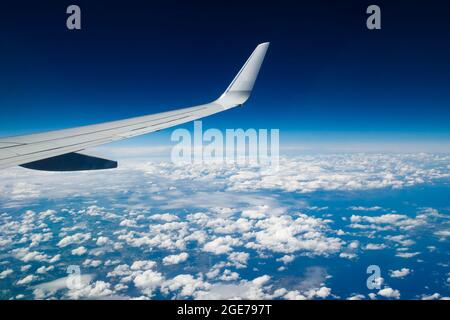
<point x="241" y="87"/>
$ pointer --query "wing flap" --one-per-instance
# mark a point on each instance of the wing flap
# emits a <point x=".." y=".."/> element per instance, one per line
<point x="71" y="162"/>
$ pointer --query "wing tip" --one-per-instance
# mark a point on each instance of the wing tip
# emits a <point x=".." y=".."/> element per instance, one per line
<point x="241" y="87"/>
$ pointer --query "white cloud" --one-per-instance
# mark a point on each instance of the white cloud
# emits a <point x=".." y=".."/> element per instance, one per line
<point x="375" y="246"/>
<point x="79" y="251"/>
<point x="164" y="217"/>
<point x="229" y="275"/>
<point x="96" y="290"/>
<point x="221" y="245"/>
<point x="26" y="256"/>
<point x="287" y="235"/>
<point x="434" y="296"/>
<point x="148" y="281"/>
<point x="356" y="297"/>
<point x="44" y="269"/>
<point x="6" y="273"/>
<point x="257" y="213"/>
<point x="389" y="293"/>
<point x="92" y="263"/>
<point x="26" y="280"/>
<point x="101" y="241"/>
<point x="361" y="208"/>
<point x="322" y="293"/>
<point x="77" y="238"/>
<point x="252" y="290"/>
<point x="407" y="255"/>
<point x="387" y="222"/>
<point x="143" y="265"/>
<point x="238" y="259"/>
<point x="403" y="272"/>
<point x="286" y="259"/>
<point x="442" y="233"/>
<point x="176" y="258"/>
<point x="185" y="284"/>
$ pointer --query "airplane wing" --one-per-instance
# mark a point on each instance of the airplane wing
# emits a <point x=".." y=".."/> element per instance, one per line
<point x="59" y="150"/>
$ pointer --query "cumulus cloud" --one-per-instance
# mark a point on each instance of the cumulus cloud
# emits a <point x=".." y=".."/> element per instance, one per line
<point x="44" y="269"/>
<point x="407" y="255"/>
<point x="245" y="216"/>
<point x="389" y="293"/>
<point x="176" y="258"/>
<point x="148" y="281"/>
<point x="74" y="239"/>
<point x="6" y="273"/>
<point x="26" y="280"/>
<point x="286" y="259"/>
<point x="185" y="285"/>
<point x="79" y="251"/>
<point x="238" y="259"/>
<point x="375" y="246"/>
<point x="221" y="245"/>
<point x="286" y="234"/>
<point x="96" y="290"/>
<point x="26" y="255"/>
<point x="434" y="296"/>
<point x="101" y="241"/>
<point x="403" y="272"/>
<point x="164" y="217"/>
<point x="255" y="289"/>
<point x="387" y="222"/>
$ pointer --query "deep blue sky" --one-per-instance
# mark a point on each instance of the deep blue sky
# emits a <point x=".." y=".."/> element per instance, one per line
<point x="325" y="73"/>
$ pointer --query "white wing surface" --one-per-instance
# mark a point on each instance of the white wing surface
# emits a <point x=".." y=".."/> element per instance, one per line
<point x="58" y="150"/>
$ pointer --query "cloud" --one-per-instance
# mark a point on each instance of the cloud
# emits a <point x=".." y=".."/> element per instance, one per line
<point x="361" y="208"/>
<point x="389" y="293"/>
<point x="77" y="238"/>
<point x="79" y="251"/>
<point x="186" y="286"/>
<point x="356" y="297"/>
<point x="253" y="218"/>
<point x="101" y="241"/>
<point x="96" y="290"/>
<point x="245" y="289"/>
<point x="26" y="256"/>
<point x="221" y="245"/>
<point x="403" y="272"/>
<point x="286" y="234"/>
<point x="375" y="246"/>
<point x="407" y="255"/>
<point x="26" y="280"/>
<point x="238" y="259"/>
<point x="442" y="234"/>
<point x="229" y="275"/>
<point x="143" y="265"/>
<point x="387" y="222"/>
<point x="44" y="269"/>
<point x="322" y="293"/>
<point x="175" y="259"/>
<point x="6" y="273"/>
<point x="92" y="263"/>
<point x="434" y="296"/>
<point x="148" y="281"/>
<point x="164" y="217"/>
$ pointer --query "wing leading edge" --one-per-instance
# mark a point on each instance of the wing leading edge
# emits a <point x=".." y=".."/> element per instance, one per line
<point x="50" y="151"/>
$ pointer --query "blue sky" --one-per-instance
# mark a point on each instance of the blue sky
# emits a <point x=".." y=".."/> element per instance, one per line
<point x="326" y="76"/>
